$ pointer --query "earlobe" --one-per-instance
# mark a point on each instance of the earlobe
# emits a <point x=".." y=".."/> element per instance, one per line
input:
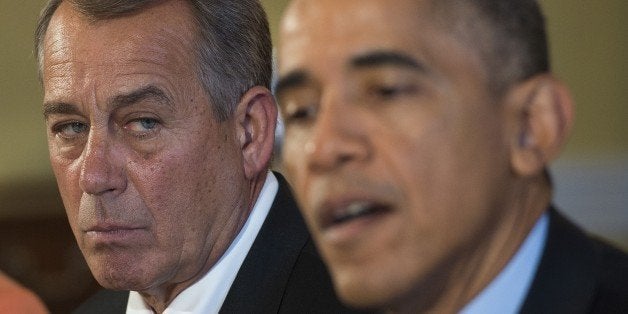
<point x="256" y="117"/>
<point x="541" y="111"/>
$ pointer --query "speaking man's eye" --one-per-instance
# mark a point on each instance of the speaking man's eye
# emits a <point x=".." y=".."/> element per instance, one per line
<point x="299" y="114"/>
<point x="388" y="92"/>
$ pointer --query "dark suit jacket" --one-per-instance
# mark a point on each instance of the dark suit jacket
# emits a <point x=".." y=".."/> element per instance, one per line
<point x="282" y="272"/>
<point x="578" y="274"/>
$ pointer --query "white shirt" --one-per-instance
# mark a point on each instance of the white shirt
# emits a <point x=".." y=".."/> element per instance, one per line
<point x="208" y="293"/>
<point x="506" y="293"/>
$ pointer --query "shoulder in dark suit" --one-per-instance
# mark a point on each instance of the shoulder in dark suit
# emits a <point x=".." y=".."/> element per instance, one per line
<point x="282" y="272"/>
<point x="578" y="274"/>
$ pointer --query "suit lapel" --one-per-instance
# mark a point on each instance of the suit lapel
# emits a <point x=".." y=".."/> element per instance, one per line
<point x="105" y="302"/>
<point x="566" y="279"/>
<point x="261" y="281"/>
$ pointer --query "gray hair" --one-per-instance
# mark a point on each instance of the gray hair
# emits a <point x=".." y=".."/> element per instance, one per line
<point x="233" y="50"/>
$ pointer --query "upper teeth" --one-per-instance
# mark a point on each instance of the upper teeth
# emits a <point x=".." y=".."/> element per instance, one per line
<point x="357" y="208"/>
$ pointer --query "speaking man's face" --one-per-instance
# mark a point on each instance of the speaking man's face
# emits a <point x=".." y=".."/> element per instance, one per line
<point x="393" y="144"/>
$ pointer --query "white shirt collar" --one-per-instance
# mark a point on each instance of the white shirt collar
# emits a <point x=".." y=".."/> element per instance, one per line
<point x="209" y="292"/>
<point x="506" y="293"/>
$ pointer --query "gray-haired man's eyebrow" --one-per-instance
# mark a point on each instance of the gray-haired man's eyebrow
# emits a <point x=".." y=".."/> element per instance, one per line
<point x="59" y="108"/>
<point x="123" y="100"/>
<point x="143" y="93"/>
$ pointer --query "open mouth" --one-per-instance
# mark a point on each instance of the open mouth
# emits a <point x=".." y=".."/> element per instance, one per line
<point x="354" y="211"/>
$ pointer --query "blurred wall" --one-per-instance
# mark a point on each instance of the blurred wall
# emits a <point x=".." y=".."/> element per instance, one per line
<point x="589" y="49"/>
<point x="23" y="152"/>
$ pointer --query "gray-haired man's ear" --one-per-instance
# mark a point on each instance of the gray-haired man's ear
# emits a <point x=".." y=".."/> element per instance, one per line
<point x="256" y="119"/>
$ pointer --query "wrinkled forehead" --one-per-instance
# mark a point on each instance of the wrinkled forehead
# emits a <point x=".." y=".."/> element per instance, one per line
<point x="149" y="32"/>
<point x="114" y="55"/>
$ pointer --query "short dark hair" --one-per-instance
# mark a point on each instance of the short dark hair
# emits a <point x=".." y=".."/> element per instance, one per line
<point x="509" y="34"/>
<point x="233" y="46"/>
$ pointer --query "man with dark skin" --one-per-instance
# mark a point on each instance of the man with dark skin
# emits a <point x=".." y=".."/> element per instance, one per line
<point x="418" y="134"/>
<point x="160" y="128"/>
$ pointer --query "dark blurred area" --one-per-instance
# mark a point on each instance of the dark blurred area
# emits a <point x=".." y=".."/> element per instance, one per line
<point x="40" y="251"/>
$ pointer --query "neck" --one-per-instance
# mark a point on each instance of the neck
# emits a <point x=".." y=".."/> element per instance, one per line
<point x="159" y="298"/>
<point x="468" y="273"/>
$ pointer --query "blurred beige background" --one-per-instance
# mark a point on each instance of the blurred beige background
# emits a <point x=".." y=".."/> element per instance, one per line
<point x="589" y="45"/>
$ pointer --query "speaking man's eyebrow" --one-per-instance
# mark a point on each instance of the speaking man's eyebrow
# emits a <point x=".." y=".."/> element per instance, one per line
<point x="291" y="80"/>
<point x="150" y="92"/>
<point x="385" y="58"/>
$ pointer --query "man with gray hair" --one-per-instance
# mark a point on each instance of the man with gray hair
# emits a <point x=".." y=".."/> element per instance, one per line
<point x="160" y="127"/>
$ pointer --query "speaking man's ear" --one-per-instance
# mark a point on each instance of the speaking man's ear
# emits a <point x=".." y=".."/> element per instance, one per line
<point x="541" y="115"/>
<point x="256" y="118"/>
